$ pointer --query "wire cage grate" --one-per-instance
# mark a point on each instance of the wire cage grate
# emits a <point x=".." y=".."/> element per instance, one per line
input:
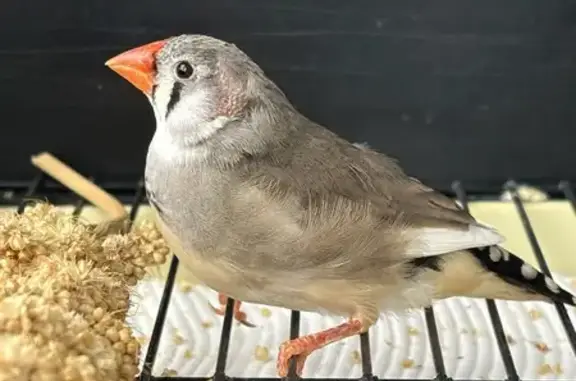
<point x="40" y="187"/>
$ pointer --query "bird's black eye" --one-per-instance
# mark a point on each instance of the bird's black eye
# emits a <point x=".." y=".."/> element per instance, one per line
<point x="184" y="70"/>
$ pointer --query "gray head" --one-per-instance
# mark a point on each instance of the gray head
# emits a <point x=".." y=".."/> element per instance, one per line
<point x="198" y="85"/>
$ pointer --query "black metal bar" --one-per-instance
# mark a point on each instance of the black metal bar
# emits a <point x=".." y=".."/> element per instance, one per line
<point x="153" y="345"/>
<point x="479" y="189"/>
<point x="294" y="333"/>
<point x="436" y="348"/>
<point x="512" y="187"/>
<point x="31" y="190"/>
<point x="505" y="353"/>
<point x="220" y="373"/>
<point x="367" y="371"/>
<point x="136" y="202"/>
<point x="568" y="191"/>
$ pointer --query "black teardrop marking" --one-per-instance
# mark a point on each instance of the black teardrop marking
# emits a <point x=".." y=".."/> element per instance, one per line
<point x="153" y="92"/>
<point x="175" y="94"/>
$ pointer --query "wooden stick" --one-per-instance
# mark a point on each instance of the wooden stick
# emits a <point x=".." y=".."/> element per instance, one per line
<point x="79" y="184"/>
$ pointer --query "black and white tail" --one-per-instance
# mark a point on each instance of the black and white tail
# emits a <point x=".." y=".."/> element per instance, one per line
<point x="491" y="272"/>
<point x="515" y="271"/>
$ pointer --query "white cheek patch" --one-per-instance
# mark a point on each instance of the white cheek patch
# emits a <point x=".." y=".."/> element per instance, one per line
<point x="161" y="99"/>
<point x="193" y="108"/>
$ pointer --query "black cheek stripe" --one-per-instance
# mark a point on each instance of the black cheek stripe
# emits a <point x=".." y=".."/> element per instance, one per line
<point x="153" y="92"/>
<point x="174" y="97"/>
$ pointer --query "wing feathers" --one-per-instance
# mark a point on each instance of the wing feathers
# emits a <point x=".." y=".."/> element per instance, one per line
<point x="431" y="241"/>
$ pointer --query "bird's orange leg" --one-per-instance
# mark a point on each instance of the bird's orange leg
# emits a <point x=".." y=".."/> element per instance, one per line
<point x="303" y="346"/>
<point x="238" y="314"/>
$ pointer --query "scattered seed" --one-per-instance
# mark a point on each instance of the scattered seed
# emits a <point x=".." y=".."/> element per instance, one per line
<point x="169" y="373"/>
<point x="186" y="287"/>
<point x="356" y="357"/>
<point x="177" y="339"/>
<point x="558" y="369"/>
<point x="407" y="363"/>
<point x="535" y="314"/>
<point x="261" y="353"/>
<point x="541" y="347"/>
<point x="206" y="324"/>
<point x="266" y="312"/>
<point x="545" y="369"/>
<point x="413" y="331"/>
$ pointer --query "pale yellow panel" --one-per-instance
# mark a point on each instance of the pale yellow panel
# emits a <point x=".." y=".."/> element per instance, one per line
<point x="554" y="224"/>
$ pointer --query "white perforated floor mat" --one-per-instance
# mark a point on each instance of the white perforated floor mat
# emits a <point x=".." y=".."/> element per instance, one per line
<point x="399" y="345"/>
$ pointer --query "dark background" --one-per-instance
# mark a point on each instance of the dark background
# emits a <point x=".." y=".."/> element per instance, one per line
<point x="480" y="91"/>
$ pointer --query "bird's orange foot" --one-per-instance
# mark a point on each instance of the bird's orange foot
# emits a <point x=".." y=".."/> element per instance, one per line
<point x="293" y="348"/>
<point x="302" y="347"/>
<point x="239" y="315"/>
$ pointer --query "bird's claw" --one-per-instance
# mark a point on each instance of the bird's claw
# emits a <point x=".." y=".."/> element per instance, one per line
<point x="289" y="349"/>
<point x="301" y="347"/>
<point x="239" y="315"/>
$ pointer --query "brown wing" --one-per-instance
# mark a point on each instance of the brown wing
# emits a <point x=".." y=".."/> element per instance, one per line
<point x="323" y="166"/>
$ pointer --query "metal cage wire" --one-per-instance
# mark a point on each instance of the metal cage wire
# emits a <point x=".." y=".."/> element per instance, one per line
<point x="136" y="196"/>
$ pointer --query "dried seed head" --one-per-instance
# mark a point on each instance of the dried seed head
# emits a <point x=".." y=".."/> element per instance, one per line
<point x="64" y="296"/>
<point x="112" y="335"/>
<point x="125" y="335"/>
<point x="132" y="347"/>
<point x="120" y="347"/>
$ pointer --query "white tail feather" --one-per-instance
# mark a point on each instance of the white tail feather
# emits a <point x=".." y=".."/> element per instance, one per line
<point x="435" y="241"/>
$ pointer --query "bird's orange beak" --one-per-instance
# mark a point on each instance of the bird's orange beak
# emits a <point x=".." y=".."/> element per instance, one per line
<point x="138" y="65"/>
